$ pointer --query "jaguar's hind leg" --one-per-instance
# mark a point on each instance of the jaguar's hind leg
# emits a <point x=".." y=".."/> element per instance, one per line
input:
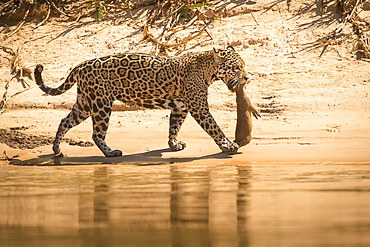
<point x="177" y="118"/>
<point x="78" y="114"/>
<point x="100" y="117"/>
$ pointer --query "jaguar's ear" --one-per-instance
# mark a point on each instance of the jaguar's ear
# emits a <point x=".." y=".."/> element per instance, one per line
<point x="230" y="48"/>
<point x="216" y="55"/>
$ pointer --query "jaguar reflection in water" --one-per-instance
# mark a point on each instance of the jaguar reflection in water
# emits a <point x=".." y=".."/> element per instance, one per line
<point x="185" y="204"/>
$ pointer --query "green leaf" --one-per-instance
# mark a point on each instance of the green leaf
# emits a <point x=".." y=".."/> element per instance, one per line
<point x="88" y="5"/>
<point x="100" y="11"/>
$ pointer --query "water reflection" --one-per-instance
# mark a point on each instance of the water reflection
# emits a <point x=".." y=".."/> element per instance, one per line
<point x="183" y="205"/>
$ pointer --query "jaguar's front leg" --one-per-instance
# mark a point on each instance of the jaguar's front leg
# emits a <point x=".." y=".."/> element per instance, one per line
<point x="208" y="123"/>
<point x="199" y="110"/>
<point x="177" y="118"/>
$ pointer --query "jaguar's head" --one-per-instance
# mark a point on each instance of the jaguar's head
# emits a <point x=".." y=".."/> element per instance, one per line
<point x="230" y="68"/>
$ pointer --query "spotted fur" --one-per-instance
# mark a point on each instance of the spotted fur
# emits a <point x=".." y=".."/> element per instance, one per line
<point x="178" y="83"/>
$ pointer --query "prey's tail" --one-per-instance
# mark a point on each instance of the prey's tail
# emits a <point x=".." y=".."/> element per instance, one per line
<point x="68" y="83"/>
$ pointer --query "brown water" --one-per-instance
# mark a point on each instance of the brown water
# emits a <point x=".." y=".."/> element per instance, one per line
<point x="185" y="205"/>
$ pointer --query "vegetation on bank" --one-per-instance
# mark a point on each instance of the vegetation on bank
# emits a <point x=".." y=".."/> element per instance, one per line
<point x="173" y="15"/>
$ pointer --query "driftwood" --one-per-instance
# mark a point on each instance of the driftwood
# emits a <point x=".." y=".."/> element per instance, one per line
<point x="245" y="110"/>
<point x="19" y="73"/>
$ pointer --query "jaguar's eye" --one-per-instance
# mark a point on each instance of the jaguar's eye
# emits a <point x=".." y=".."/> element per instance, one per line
<point x="236" y="70"/>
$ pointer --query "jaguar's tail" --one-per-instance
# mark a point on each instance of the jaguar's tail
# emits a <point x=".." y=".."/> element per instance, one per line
<point x="68" y="83"/>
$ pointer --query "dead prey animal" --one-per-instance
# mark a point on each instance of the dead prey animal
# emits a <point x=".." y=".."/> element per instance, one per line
<point x="245" y="110"/>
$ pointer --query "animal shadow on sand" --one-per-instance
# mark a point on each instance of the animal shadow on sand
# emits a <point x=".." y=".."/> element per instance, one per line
<point x="154" y="157"/>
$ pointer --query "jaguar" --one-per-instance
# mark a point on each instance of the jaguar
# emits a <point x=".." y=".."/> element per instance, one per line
<point x="176" y="83"/>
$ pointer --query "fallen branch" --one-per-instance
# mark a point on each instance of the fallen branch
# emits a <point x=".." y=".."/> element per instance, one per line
<point x="164" y="45"/>
<point x="254" y="18"/>
<point x="19" y="73"/>
<point x="149" y="36"/>
<point x="5" y="99"/>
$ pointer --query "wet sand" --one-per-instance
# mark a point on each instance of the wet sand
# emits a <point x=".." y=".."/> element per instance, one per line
<point x="143" y="139"/>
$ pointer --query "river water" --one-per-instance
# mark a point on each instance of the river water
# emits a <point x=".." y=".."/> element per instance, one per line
<point x="185" y="204"/>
